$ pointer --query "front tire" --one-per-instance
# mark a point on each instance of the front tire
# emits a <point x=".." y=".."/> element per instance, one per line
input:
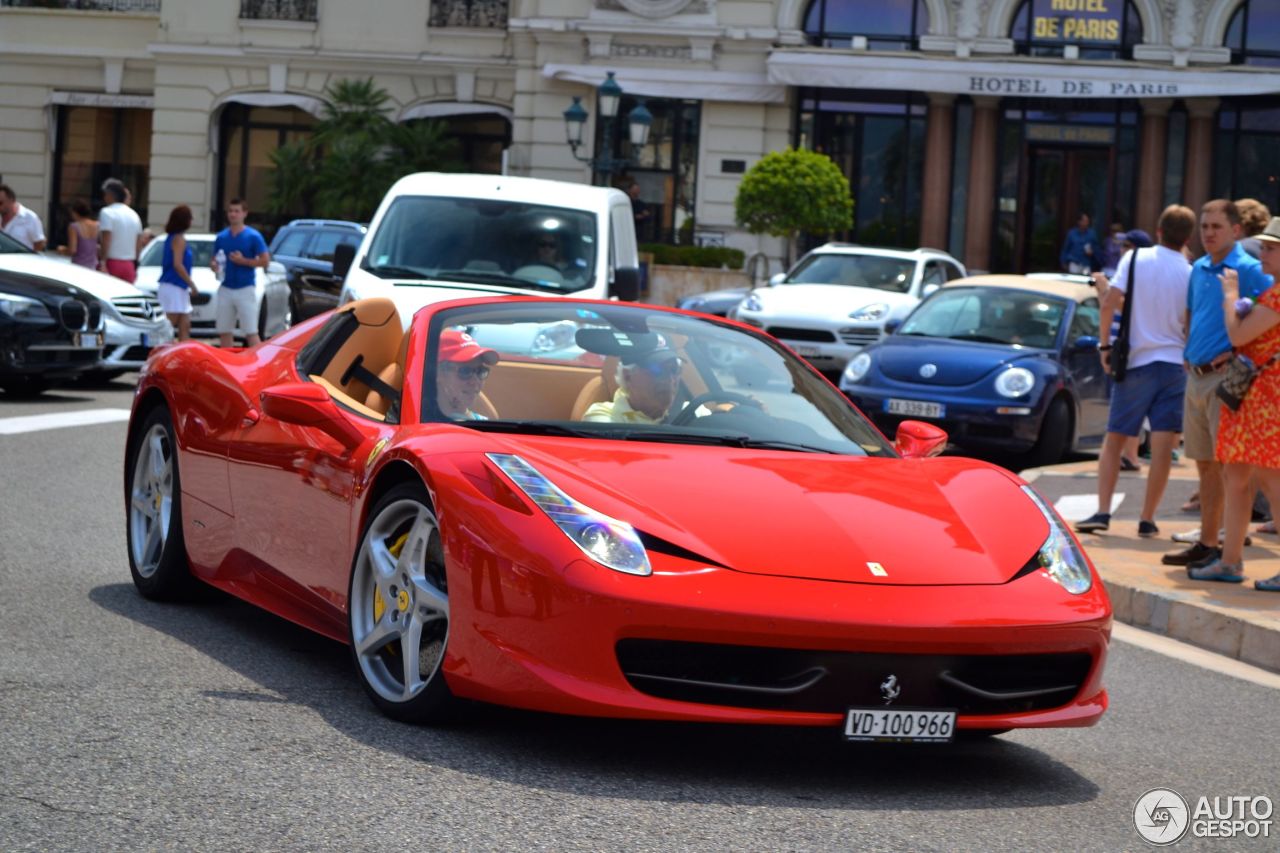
<point x="398" y="609"/>
<point x="1055" y="435"/>
<point x="157" y="552"/>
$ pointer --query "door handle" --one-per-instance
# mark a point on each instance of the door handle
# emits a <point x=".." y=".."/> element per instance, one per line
<point x="251" y="417"/>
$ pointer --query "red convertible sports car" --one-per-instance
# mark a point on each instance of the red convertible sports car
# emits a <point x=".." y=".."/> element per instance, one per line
<point x="608" y="509"/>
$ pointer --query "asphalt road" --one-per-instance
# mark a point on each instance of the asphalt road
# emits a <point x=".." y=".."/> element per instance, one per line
<point x="128" y="725"/>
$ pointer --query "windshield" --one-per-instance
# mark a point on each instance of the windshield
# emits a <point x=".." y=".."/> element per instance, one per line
<point x="513" y="244"/>
<point x="10" y="246"/>
<point x="892" y="274"/>
<point x="988" y="314"/>
<point x="201" y="253"/>
<point x="630" y="373"/>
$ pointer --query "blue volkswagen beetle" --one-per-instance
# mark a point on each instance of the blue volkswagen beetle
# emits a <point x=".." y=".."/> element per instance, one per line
<point x="1001" y="362"/>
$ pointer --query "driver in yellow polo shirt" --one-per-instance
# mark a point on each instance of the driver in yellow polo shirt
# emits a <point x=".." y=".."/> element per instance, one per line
<point x="647" y="385"/>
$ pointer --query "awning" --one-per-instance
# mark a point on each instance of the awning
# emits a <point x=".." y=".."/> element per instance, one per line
<point x="442" y="109"/>
<point x="675" y="83"/>
<point x="315" y="106"/>
<point x="1011" y="77"/>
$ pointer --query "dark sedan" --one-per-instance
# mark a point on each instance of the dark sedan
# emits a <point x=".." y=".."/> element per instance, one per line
<point x="1001" y="362"/>
<point x="49" y="331"/>
<point x="305" y="247"/>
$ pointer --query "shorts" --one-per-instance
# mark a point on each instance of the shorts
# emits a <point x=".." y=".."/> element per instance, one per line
<point x="122" y="269"/>
<point x="1200" y="416"/>
<point x="1153" y="392"/>
<point x="237" y="304"/>
<point x="174" y="298"/>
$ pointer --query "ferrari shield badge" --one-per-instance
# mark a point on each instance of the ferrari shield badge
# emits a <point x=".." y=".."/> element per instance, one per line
<point x="373" y="454"/>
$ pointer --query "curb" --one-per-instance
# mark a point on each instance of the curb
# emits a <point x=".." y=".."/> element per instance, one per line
<point x="1216" y="629"/>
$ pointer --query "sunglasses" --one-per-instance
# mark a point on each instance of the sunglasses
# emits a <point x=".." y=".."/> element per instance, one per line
<point x="664" y="369"/>
<point x="467" y="371"/>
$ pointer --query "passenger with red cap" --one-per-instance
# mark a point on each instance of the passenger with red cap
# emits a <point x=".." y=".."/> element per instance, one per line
<point x="460" y="374"/>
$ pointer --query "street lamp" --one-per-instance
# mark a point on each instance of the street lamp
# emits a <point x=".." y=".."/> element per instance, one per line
<point x="639" y="120"/>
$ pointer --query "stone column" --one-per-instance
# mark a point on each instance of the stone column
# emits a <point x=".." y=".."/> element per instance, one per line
<point x="980" y="206"/>
<point x="936" y="195"/>
<point x="1200" y="116"/>
<point x="1151" y="164"/>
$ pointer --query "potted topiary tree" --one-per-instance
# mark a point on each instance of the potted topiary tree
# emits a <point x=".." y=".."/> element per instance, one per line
<point x="791" y="192"/>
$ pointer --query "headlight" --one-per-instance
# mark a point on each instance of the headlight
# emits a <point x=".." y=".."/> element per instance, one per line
<point x="857" y="367"/>
<point x="554" y="337"/>
<point x="606" y="540"/>
<point x="1015" y="382"/>
<point x="751" y="303"/>
<point x="1060" y="557"/>
<point x="874" y="311"/>
<point x="23" y="308"/>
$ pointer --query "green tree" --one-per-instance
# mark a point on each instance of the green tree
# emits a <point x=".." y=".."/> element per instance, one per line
<point x="354" y="155"/>
<point x="793" y="192"/>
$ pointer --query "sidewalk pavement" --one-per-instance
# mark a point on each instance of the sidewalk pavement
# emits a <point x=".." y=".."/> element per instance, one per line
<point x="1235" y="620"/>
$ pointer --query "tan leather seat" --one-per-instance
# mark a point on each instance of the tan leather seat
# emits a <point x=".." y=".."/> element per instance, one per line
<point x="373" y="345"/>
<point x="393" y="375"/>
<point x="599" y="389"/>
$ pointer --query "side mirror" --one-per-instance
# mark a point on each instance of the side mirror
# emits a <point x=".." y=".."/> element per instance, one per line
<point x="343" y="255"/>
<point x="891" y="325"/>
<point x="777" y="278"/>
<point x="626" y="284"/>
<point x="307" y="404"/>
<point x="919" y="440"/>
<point x="929" y="289"/>
<point x="1085" y="342"/>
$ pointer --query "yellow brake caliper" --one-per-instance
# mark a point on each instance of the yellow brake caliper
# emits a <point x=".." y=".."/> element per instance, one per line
<point x="379" y="604"/>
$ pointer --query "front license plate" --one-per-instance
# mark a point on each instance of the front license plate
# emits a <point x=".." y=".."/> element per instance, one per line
<point x="899" y="725"/>
<point x="916" y="408"/>
<point x="90" y="340"/>
<point x="806" y="351"/>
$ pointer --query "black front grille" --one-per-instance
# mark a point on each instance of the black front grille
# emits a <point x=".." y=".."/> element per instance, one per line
<point x="198" y="298"/>
<point x="95" y="315"/>
<point x="790" y="333"/>
<point x="73" y="314"/>
<point x="136" y="353"/>
<point x="825" y="681"/>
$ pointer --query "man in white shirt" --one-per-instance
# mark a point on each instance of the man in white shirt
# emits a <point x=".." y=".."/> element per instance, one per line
<point x="20" y="223"/>
<point x="1155" y="381"/>
<point x="119" y="230"/>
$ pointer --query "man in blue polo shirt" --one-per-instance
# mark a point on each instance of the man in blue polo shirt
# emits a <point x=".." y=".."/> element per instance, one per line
<point x="1207" y="352"/>
<point x="245" y="251"/>
<point x="1079" y="248"/>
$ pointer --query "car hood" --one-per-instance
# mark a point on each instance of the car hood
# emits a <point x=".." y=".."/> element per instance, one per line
<point x="832" y="301"/>
<point x="956" y="362"/>
<point x="101" y="285"/>
<point x="40" y="287"/>
<point x="925" y="522"/>
<point x="410" y="295"/>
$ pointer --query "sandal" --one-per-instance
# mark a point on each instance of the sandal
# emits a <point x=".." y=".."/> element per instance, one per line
<point x="1266" y="527"/>
<point x="1271" y="584"/>
<point x="1127" y="464"/>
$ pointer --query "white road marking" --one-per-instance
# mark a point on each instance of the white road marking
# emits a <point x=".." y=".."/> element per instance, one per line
<point x="81" y="417"/>
<point x="1194" y="655"/>
<point x="1080" y="507"/>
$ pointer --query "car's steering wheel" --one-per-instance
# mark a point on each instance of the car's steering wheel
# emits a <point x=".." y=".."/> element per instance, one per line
<point x="687" y="415"/>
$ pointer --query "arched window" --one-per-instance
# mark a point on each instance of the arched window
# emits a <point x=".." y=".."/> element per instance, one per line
<point x="248" y="135"/>
<point x="1254" y="33"/>
<point x="886" y="24"/>
<point x="1025" y="41"/>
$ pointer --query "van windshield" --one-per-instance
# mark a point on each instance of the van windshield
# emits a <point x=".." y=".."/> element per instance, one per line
<point x="513" y="244"/>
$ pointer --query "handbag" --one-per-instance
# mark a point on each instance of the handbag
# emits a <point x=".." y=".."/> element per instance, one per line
<point x="1238" y="379"/>
<point x="1120" y="346"/>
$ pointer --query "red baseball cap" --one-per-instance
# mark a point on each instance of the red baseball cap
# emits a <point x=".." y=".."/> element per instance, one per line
<point x="459" y="347"/>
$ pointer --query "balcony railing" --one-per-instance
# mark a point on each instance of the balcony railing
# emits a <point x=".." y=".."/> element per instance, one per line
<point x="278" y="10"/>
<point x="141" y="6"/>
<point x="490" y="14"/>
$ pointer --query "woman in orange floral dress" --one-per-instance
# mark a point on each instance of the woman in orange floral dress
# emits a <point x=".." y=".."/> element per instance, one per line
<point x="1249" y="438"/>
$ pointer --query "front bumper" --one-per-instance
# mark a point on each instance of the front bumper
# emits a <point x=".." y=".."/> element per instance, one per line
<point x="128" y="341"/>
<point x="826" y="344"/>
<point x="969" y="422"/>
<point x="529" y="633"/>
<point x="47" y="351"/>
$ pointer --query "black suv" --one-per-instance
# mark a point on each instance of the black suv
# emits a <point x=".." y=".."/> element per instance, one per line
<point x="305" y="247"/>
<point x="48" y="331"/>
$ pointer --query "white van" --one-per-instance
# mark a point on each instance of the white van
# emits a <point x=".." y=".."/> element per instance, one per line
<point x="443" y="236"/>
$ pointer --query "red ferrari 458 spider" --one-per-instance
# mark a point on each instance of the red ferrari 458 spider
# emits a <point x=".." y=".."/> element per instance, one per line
<point x="608" y="509"/>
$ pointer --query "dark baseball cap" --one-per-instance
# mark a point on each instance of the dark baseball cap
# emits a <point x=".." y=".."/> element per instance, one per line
<point x="1139" y="238"/>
